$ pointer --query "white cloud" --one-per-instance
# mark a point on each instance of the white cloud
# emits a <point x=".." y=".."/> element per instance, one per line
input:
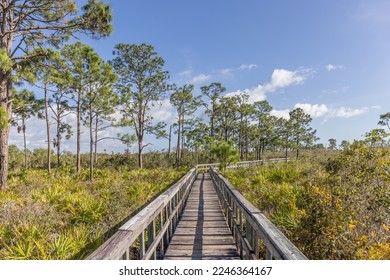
<point x="248" y="67"/>
<point x="314" y="110"/>
<point x="164" y="112"/>
<point x="321" y="110"/>
<point x="331" y="67"/>
<point x="281" y="113"/>
<point x="200" y="79"/>
<point x="280" y="79"/>
<point x="187" y="76"/>
<point x="255" y="94"/>
<point x="343" y="112"/>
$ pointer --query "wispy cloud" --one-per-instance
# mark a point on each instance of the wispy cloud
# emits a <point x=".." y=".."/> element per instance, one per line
<point x="249" y="67"/>
<point x="185" y="73"/>
<point x="331" y="67"/>
<point x="201" y="78"/>
<point x="374" y="12"/>
<point x="227" y="71"/>
<point x="188" y="76"/>
<point x="242" y="67"/>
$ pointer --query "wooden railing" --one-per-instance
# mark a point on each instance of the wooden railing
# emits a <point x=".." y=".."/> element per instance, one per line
<point x="205" y="167"/>
<point x="148" y="233"/>
<point x="254" y="234"/>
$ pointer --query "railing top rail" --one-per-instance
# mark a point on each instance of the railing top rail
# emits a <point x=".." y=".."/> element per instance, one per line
<point x="254" y="162"/>
<point x="270" y="234"/>
<point x="157" y="204"/>
<point x="128" y="233"/>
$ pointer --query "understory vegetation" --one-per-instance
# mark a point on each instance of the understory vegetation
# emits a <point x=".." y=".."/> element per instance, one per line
<point x="331" y="206"/>
<point x="64" y="216"/>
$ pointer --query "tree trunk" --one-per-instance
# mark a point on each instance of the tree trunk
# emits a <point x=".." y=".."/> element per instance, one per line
<point x="90" y="143"/>
<point x="140" y="140"/>
<point x="286" y="147"/>
<point x="24" y="143"/>
<point x="5" y="97"/>
<point x="140" y="163"/>
<point x="170" y="138"/>
<point x="178" y="143"/>
<point x="4" y="134"/>
<point x="58" y="138"/>
<point x="96" y="136"/>
<point x="212" y="124"/>
<point x="78" y="158"/>
<point x="47" y="130"/>
<point x="182" y="139"/>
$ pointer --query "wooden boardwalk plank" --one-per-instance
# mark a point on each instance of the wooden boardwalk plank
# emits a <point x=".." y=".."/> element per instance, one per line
<point x="202" y="232"/>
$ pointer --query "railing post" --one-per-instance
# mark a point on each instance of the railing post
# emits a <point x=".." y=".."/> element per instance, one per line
<point x="162" y="239"/>
<point x="268" y="254"/>
<point x="142" y="245"/>
<point x="256" y="244"/>
<point x="152" y="235"/>
<point x="241" y="234"/>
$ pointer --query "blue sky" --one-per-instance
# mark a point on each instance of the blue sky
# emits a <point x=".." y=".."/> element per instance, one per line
<point x="332" y="58"/>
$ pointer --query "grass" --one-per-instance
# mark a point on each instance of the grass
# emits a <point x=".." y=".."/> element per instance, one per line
<point x="64" y="216"/>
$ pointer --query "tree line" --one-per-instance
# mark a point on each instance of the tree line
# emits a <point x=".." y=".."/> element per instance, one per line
<point x="75" y="79"/>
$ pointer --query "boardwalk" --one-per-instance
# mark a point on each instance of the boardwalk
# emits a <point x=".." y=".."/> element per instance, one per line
<point x="202" y="232"/>
<point x="174" y="227"/>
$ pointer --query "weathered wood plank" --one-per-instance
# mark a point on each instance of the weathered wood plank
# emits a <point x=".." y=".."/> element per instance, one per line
<point x="202" y="232"/>
<point x="112" y="249"/>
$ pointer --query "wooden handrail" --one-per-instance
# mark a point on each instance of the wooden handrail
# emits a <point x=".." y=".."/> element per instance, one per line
<point x="153" y="226"/>
<point x="249" y="225"/>
<point x="206" y="166"/>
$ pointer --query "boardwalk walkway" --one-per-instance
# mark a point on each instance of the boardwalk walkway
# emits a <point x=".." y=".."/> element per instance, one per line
<point x="187" y="222"/>
<point x="202" y="232"/>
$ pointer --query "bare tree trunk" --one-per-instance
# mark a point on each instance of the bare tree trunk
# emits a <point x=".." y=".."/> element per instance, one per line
<point x="178" y="143"/>
<point x="140" y="140"/>
<point x="24" y="143"/>
<point x="140" y="163"/>
<point x="90" y="144"/>
<point x="78" y="158"/>
<point x="5" y="96"/>
<point x="170" y="138"/>
<point x="58" y="143"/>
<point x="96" y="137"/>
<point x="47" y="130"/>
<point x="182" y="139"/>
<point x="4" y="134"/>
<point x="286" y="147"/>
